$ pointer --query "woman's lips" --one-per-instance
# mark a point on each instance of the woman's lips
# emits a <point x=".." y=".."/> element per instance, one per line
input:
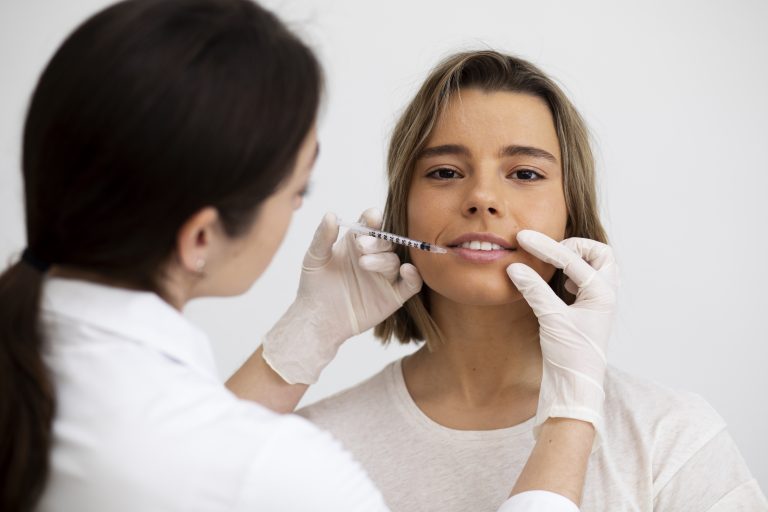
<point x="480" y="256"/>
<point x="481" y="237"/>
<point x="501" y="248"/>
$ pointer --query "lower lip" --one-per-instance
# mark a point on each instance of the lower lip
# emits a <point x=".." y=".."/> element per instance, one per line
<point x="477" y="256"/>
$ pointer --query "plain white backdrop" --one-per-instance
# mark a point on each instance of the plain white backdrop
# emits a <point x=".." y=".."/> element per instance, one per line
<point x="676" y="95"/>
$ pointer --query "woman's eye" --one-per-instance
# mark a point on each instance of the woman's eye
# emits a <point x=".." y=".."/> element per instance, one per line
<point x="526" y="175"/>
<point x="444" y="174"/>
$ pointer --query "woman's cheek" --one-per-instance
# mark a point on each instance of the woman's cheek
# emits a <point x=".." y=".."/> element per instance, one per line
<point x="553" y="227"/>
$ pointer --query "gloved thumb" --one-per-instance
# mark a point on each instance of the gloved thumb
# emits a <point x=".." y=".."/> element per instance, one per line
<point x="372" y="217"/>
<point x="542" y="299"/>
<point x="410" y="282"/>
<point x="321" y="248"/>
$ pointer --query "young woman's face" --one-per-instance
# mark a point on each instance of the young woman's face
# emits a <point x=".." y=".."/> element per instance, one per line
<point x="490" y="168"/>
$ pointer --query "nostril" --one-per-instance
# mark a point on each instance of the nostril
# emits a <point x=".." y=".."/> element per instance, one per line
<point x="473" y="209"/>
<point x="492" y="210"/>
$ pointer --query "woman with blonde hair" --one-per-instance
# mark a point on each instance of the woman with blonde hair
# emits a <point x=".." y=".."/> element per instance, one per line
<point x="492" y="160"/>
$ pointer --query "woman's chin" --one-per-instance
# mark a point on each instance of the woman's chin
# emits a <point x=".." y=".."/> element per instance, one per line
<point x="480" y="285"/>
<point x="478" y="296"/>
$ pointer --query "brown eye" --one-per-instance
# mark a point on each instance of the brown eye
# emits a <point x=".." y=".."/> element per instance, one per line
<point x="526" y="175"/>
<point x="444" y="173"/>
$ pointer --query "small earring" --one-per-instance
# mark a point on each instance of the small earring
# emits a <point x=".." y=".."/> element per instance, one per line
<point x="199" y="265"/>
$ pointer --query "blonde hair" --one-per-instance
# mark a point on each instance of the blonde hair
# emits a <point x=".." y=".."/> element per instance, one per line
<point x="489" y="71"/>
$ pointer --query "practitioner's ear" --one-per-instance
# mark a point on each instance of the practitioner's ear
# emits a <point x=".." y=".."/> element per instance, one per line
<point x="196" y="239"/>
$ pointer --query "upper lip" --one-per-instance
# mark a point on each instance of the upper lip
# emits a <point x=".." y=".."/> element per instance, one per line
<point x="481" y="237"/>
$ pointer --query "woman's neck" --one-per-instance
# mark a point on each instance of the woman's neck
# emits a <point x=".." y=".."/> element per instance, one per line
<point x="487" y="372"/>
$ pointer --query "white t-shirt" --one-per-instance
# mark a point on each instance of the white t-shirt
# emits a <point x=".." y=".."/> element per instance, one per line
<point x="662" y="450"/>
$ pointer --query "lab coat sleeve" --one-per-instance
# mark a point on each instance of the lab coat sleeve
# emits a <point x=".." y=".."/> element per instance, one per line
<point x="303" y="468"/>
<point x="538" y="501"/>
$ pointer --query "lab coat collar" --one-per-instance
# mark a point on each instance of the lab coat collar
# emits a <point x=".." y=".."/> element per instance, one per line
<point x="139" y="316"/>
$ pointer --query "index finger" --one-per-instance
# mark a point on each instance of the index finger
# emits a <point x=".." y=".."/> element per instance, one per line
<point x="557" y="254"/>
<point x="372" y="217"/>
<point x="365" y="244"/>
<point x="597" y="254"/>
<point x="321" y="247"/>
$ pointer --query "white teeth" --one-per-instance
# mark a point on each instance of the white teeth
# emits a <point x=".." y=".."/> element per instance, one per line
<point x="477" y="245"/>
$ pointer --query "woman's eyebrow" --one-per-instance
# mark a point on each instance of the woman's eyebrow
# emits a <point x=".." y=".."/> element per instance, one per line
<point x="445" y="149"/>
<point x="515" y="150"/>
<point x="512" y="150"/>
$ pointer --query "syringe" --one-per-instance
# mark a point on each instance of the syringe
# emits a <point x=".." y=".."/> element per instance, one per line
<point x="395" y="239"/>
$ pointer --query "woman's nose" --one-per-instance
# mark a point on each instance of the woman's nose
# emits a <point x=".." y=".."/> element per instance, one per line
<point x="483" y="199"/>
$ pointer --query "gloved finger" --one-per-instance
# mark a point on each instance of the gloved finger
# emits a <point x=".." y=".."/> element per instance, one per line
<point x="600" y="257"/>
<point x="410" y="282"/>
<point x="387" y="264"/>
<point x="597" y="254"/>
<point x="365" y="244"/>
<point x="372" y="217"/>
<point x="610" y="274"/>
<point x="320" y="250"/>
<point x="557" y="254"/>
<point x="537" y="293"/>
<point x="372" y="245"/>
<point x="571" y="286"/>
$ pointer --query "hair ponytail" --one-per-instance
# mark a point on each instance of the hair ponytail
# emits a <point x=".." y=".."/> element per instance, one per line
<point x="26" y="394"/>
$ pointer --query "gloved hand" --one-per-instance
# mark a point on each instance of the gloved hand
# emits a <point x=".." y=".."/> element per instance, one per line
<point x="345" y="289"/>
<point x="573" y="338"/>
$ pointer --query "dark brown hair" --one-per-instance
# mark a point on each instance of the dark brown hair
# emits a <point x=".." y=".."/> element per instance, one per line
<point x="148" y="112"/>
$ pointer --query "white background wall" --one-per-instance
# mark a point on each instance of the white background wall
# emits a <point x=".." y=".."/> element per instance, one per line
<point x="676" y="93"/>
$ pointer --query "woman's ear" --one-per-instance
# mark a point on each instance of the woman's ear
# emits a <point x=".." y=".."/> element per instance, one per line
<point x="195" y="239"/>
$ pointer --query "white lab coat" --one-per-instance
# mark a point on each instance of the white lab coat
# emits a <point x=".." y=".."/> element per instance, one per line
<point x="144" y="424"/>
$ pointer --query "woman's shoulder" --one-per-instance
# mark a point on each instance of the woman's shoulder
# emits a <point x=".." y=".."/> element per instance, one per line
<point x="677" y="439"/>
<point x="664" y="428"/>
<point x="644" y="401"/>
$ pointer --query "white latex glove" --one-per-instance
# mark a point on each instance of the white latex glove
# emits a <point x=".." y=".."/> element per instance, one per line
<point x="345" y="289"/>
<point x="573" y="338"/>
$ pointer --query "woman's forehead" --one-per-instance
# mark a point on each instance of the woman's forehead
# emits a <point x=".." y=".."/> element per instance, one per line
<point x="485" y="122"/>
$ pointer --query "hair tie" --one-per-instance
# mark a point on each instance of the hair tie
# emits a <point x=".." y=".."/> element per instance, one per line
<point x="35" y="262"/>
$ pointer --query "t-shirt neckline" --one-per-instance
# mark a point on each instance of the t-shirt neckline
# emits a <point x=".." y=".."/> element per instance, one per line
<point x="412" y="412"/>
